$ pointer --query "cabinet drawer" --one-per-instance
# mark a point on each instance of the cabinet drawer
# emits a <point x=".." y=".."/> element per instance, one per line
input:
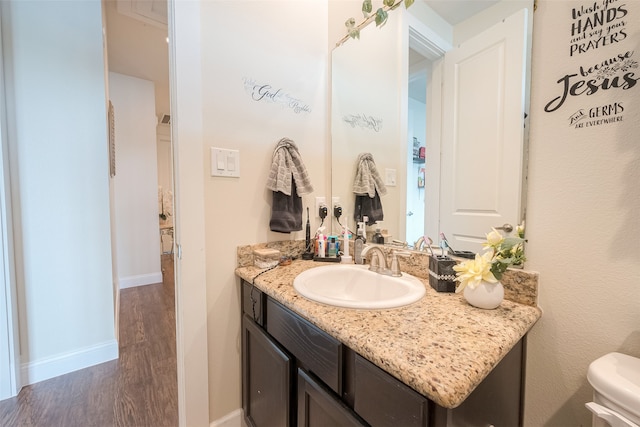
<point x="252" y="302"/>
<point x="382" y="400"/>
<point x="316" y="350"/>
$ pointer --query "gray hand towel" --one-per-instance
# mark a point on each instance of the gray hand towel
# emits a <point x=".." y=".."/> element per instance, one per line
<point x="288" y="179"/>
<point x="286" y="212"/>
<point x="287" y="164"/>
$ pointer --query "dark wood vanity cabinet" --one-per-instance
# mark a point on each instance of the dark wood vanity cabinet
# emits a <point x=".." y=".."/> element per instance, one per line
<point x="266" y="378"/>
<point x="291" y="370"/>
<point x="294" y="374"/>
<point x="384" y="401"/>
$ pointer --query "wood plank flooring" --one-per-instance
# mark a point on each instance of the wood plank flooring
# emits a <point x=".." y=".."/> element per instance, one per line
<point x="137" y="390"/>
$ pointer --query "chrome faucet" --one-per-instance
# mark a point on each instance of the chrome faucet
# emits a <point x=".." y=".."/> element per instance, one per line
<point x="378" y="261"/>
<point x="395" y="263"/>
<point x="424" y="244"/>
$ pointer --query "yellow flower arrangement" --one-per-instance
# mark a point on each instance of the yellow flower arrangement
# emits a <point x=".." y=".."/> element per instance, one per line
<point x="502" y="253"/>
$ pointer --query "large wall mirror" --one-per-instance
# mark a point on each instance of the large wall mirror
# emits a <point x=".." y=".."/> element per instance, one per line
<point x="439" y="97"/>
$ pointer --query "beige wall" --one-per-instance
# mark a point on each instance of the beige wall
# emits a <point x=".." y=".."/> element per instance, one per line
<point x="583" y="224"/>
<point x="243" y="42"/>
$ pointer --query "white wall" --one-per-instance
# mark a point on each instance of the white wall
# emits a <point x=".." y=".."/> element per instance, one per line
<point x="489" y="17"/>
<point x="136" y="181"/>
<point x="58" y="145"/>
<point x="284" y="46"/>
<point x="583" y="225"/>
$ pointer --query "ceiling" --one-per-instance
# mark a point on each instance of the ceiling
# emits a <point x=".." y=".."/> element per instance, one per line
<point x="456" y="11"/>
<point x="137" y="44"/>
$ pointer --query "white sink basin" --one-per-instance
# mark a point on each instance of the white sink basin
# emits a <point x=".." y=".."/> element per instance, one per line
<point x="354" y="286"/>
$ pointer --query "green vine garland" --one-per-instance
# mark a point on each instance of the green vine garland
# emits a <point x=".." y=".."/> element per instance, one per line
<point x="380" y="16"/>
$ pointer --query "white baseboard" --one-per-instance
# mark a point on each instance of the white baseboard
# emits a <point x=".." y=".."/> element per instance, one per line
<point x="232" y="419"/>
<point x="50" y="367"/>
<point x="140" y="280"/>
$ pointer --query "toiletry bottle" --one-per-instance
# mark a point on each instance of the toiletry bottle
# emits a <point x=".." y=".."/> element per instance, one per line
<point x="377" y="237"/>
<point x="358" y="244"/>
<point x="319" y="241"/>
<point x="346" y="257"/>
<point x="321" y="245"/>
<point x="332" y="247"/>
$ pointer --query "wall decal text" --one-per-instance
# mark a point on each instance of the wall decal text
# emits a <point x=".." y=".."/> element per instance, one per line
<point x="596" y="25"/>
<point x="363" y="121"/>
<point x="601" y="28"/>
<point x="264" y="92"/>
<point x="596" y="116"/>
<point x="614" y="73"/>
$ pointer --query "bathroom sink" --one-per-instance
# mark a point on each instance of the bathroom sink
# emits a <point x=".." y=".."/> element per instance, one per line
<point x="354" y="286"/>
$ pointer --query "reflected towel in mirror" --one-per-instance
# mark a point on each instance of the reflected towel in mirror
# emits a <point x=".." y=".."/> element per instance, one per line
<point x="368" y="180"/>
<point x="368" y="186"/>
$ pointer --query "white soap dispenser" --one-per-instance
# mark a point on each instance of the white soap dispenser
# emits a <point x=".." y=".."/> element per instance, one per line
<point x="346" y="257"/>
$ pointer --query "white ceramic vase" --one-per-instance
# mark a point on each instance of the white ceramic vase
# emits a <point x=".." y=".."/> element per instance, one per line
<point x="486" y="295"/>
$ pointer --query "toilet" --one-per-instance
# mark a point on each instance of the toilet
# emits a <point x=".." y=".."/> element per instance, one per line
<point x="615" y="378"/>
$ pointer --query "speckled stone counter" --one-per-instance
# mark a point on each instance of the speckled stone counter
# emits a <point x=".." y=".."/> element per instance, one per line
<point x="440" y="346"/>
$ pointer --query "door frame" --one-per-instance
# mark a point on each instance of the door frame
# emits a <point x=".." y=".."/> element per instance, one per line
<point x="185" y="85"/>
<point x="9" y="334"/>
<point x="432" y="46"/>
<point x="190" y="280"/>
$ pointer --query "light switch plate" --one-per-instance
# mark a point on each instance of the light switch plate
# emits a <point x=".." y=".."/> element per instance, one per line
<point x="225" y="162"/>
<point x="390" y="177"/>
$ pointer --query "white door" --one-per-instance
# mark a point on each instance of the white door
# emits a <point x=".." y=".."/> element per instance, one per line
<point x="483" y="129"/>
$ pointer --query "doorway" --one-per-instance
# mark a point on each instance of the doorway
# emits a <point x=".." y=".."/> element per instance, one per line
<point x="137" y="51"/>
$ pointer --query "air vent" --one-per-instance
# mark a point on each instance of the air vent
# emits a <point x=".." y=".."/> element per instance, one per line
<point x="166" y="119"/>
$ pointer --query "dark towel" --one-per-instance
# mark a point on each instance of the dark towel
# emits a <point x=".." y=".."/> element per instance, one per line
<point x="286" y="211"/>
<point x="370" y="207"/>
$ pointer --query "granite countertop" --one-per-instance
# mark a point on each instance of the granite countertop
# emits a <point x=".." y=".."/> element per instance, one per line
<point x="440" y="346"/>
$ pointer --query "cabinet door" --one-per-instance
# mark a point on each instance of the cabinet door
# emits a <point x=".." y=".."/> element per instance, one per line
<point x="266" y="379"/>
<point x="383" y="401"/>
<point x="318" y="407"/>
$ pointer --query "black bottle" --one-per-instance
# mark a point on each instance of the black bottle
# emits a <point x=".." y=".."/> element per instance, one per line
<point x="377" y="237"/>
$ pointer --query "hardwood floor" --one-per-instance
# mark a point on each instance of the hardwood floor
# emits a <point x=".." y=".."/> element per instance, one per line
<point x="137" y="390"/>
